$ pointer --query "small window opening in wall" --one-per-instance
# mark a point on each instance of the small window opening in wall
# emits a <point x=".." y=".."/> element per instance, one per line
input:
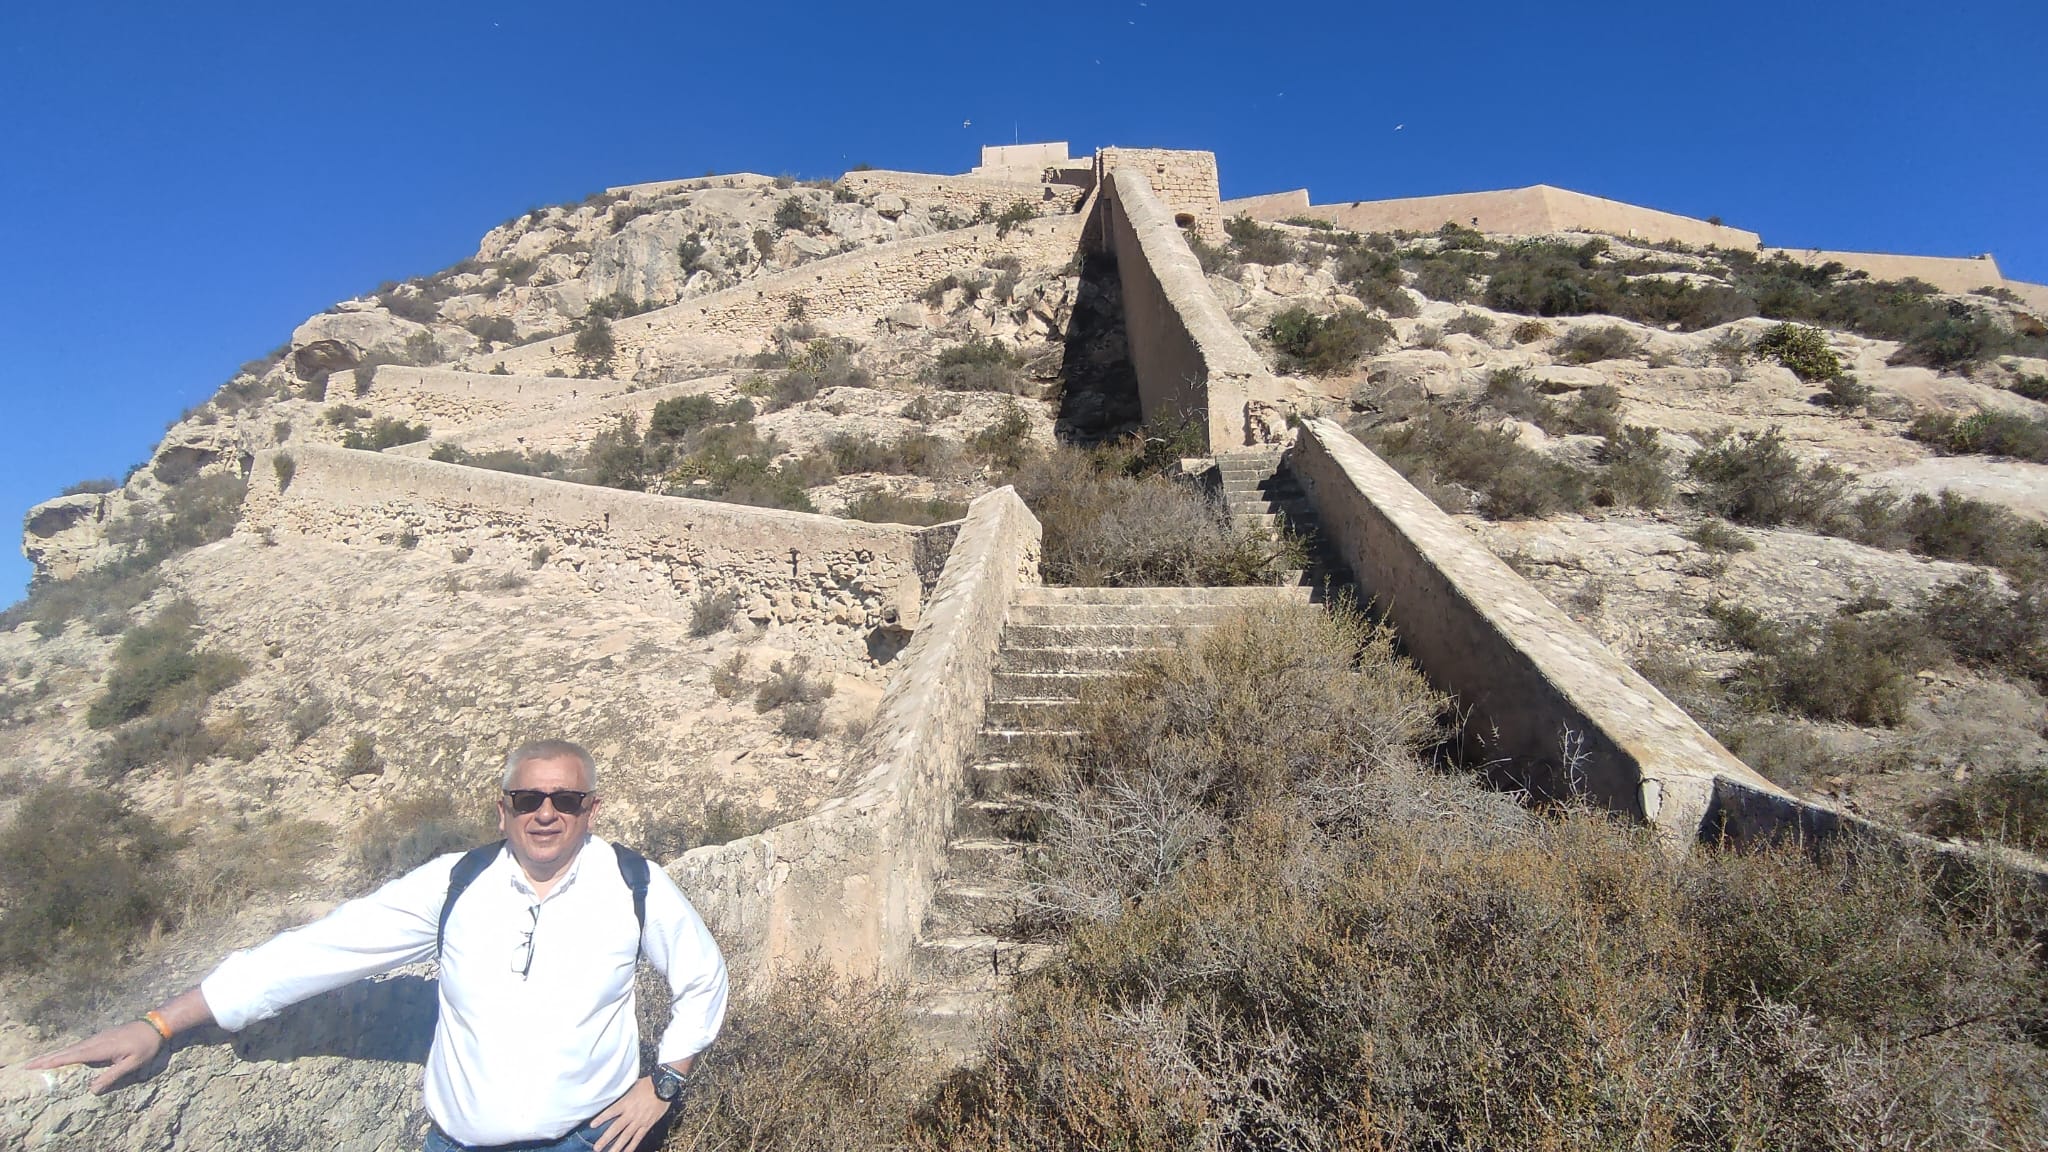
<point x="1184" y="219"/>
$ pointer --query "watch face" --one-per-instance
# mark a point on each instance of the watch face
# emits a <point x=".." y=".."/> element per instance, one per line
<point x="666" y="1084"/>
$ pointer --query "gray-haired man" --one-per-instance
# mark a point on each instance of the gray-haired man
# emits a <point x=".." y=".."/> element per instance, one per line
<point x="537" y="1044"/>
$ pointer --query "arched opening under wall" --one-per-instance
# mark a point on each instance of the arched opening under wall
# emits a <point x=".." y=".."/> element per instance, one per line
<point x="1184" y="219"/>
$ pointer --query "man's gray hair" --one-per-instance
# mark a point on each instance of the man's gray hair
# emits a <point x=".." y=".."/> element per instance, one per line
<point x="548" y="750"/>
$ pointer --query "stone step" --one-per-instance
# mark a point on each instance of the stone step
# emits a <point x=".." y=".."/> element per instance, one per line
<point x="1016" y="659"/>
<point x="963" y="961"/>
<point x="1030" y="715"/>
<point x="976" y="905"/>
<point x="1258" y="519"/>
<point x="996" y="780"/>
<point x="1012" y="744"/>
<point x="1045" y="596"/>
<point x="983" y="853"/>
<point x="1239" y="481"/>
<point x="1098" y="636"/>
<point x="1045" y="685"/>
<point x="1178" y="613"/>
<point x="955" y="1022"/>
<point x="1014" y="818"/>
<point x="1292" y="505"/>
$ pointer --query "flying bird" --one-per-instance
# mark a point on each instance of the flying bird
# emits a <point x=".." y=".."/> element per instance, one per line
<point x="967" y="123"/>
<point x="1398" y="127"/>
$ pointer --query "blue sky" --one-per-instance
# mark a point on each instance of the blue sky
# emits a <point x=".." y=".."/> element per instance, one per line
<point x="182" y="184"/>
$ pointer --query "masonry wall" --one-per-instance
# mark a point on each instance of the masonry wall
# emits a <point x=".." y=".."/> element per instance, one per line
<point x="1269" y="207"/>
<point x="1184" y="181"/>
<point x="850" y="291"/>
<point x="656" y="551"/>
<point x="1535" y="210"/>
<point x="852" y="880"/>
<point x="2032" y="295"/>
<point x="1190" y="360"/>
<point x="1541" y="690"/>
<point x="441" y="397"/>
<point x="964" y="196"/>
<point x="565" y="429"/>
<point x="1950" y="274"/>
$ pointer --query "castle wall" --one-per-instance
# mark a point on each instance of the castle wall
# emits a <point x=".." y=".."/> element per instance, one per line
<point x="964" y="196"/>
<point x="1540" y="689"/>
<point x="1948" y="273"/>
<point x="1269" y="207"/>
<point x="1189" y="357"/>
<point x="565" y="429"/>
<point x="2033" y="295"/>
<point x="1533" y="211"/>
<point x="443" y="398"/>
<point x="848" y="292"/>
<point x="1185" y="183"/>
<point x="852" y="880"/>
<point x="659" y="552"/>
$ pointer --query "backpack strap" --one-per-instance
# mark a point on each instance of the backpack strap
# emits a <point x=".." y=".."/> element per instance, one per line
<point x="466" y="871"/>
<point x="634" y="868"/>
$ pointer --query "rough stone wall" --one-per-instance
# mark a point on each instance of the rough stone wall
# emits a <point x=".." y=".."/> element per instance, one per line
<point x="565" y="429"/>
<point x="441" y="397"/>
<point x="848" y="292"/>
<point x="853" y="879"/>
<point x="1184" y="181"/>
<point x="657" y="551"/>
<point x="658" y="188"/>
<point x="1190" y="359"/>
<point x="1533" y="211"/>
<point x="2033" y="295"/>
<point x="1948" y="273"/>
<point x="1541" y="690"/>
<point x="964" y="196"/>
<point x="1271" y="206"/>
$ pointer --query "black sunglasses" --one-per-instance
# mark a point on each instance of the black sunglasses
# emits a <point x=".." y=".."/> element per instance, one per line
<point x="525" y="801"/>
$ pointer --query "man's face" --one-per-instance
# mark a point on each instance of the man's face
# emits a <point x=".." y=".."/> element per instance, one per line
<point x="543" y="840"/>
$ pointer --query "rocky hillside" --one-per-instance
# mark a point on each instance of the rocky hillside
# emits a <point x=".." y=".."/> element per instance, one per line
<point x="1808" y="504"/>
<point x="246" y="723"/>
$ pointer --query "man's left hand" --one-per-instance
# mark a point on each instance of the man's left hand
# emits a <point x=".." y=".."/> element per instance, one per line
<point x="631" y="1116"/>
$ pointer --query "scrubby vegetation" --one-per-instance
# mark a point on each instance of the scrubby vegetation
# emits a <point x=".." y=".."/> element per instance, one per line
<point x="1984" y="434"/>
<point x="1275" y="937"/>
<point x="1325" y="345"/>
<point x="1110" y="517"/>
<point x="977" y="366"/>
<point x="158" y="669"/>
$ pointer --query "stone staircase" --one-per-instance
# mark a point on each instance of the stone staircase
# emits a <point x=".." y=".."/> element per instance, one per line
<point x="1261" y="493"/>
<point x="1056" y="643"/>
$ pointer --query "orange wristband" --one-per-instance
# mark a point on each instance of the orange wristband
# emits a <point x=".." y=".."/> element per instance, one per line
<point x="155" y="1020"/>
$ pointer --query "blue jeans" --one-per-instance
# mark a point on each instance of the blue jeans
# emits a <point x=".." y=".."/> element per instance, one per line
<point x="581" y="1138"/>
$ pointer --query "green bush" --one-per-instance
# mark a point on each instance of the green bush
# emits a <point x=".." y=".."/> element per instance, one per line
<point x="1592" y="345"/>
<point x="1325" y="345"/>
<point x="2002" y="630"/>
<point x="1635" y="469"/>
<point x="1255" y="243"/>
<point x="385" y="432"/>
<point x="797" y="214"/>
<point x="790" y="682"/>
<point x="1448" y="454"/>
<point x="1477" y="324"/>
<point x="156" y="668"/>
<point x="286" y="468"/>
<point x="617" y="305"/>
<point x="1017" y="213"/>
<point x="2007" y="805"/>
<point x="977" y="366"/>
<point x="2031" y="387"/>
<point x="1946" y="527"/>
<point x="594" y="346"/>
<point x="880" y="507"/>
<point x="1752" y="478"/>
<point x="492" y="330"/>
<point x="1006" y="440"/>
<point x="679" y="416"/>
<point x="1717" y="536"/>
<point x="401" y="836"/>
<point x="1987" y="433"/>
<point x="83" y="876"/>
<point x="1804" y="350"/>
<point x="713" y="611"/>
<point x="1850" y="668"/>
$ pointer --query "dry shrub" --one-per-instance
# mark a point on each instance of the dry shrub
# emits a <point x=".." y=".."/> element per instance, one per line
<point x="1566" y="985"/>
<point x="409" y="832"/>
<point x="2009" y="805"/>
<point x="789" y="683"/>
<point x="82" y="879"/>
<point x="807" y="1060"/>
<point x="1106" y="526"/>
<point x="1279" y="706"/>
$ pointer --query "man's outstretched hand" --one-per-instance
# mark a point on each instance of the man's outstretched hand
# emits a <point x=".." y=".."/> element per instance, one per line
<point x="122" y="1049"/>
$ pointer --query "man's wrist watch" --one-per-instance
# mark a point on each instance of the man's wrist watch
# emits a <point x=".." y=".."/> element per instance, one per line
<point x="668" y="1083"/>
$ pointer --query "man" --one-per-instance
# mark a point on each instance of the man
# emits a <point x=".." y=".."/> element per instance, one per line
<point x="537" y="1044"/>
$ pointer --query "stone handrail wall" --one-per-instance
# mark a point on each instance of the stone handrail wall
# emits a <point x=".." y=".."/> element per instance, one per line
<point x="1190" y="359"/>
<point x="844" y="292"/>
<point x="964" y="196"/>
<point x="1541" y="691"/>
<point x="1269" y="206"/>
<point x="444" y="397"/>
<point x="1948" y="273"/>
<point x="565" y="429"/>
<point x="852" y="880"/>
<point x="658" y="552"/>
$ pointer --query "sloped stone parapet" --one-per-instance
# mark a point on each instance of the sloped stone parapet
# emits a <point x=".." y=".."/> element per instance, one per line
<point x="1190" y="359"/>
<point x="1540" y="692"/>
<point x="851" y="881"/>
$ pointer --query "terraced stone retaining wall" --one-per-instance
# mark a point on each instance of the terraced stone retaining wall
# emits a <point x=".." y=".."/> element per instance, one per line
<point x="964" y="196"/>
<point x="852" y="880"/>
<point x="658" y="551"/>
